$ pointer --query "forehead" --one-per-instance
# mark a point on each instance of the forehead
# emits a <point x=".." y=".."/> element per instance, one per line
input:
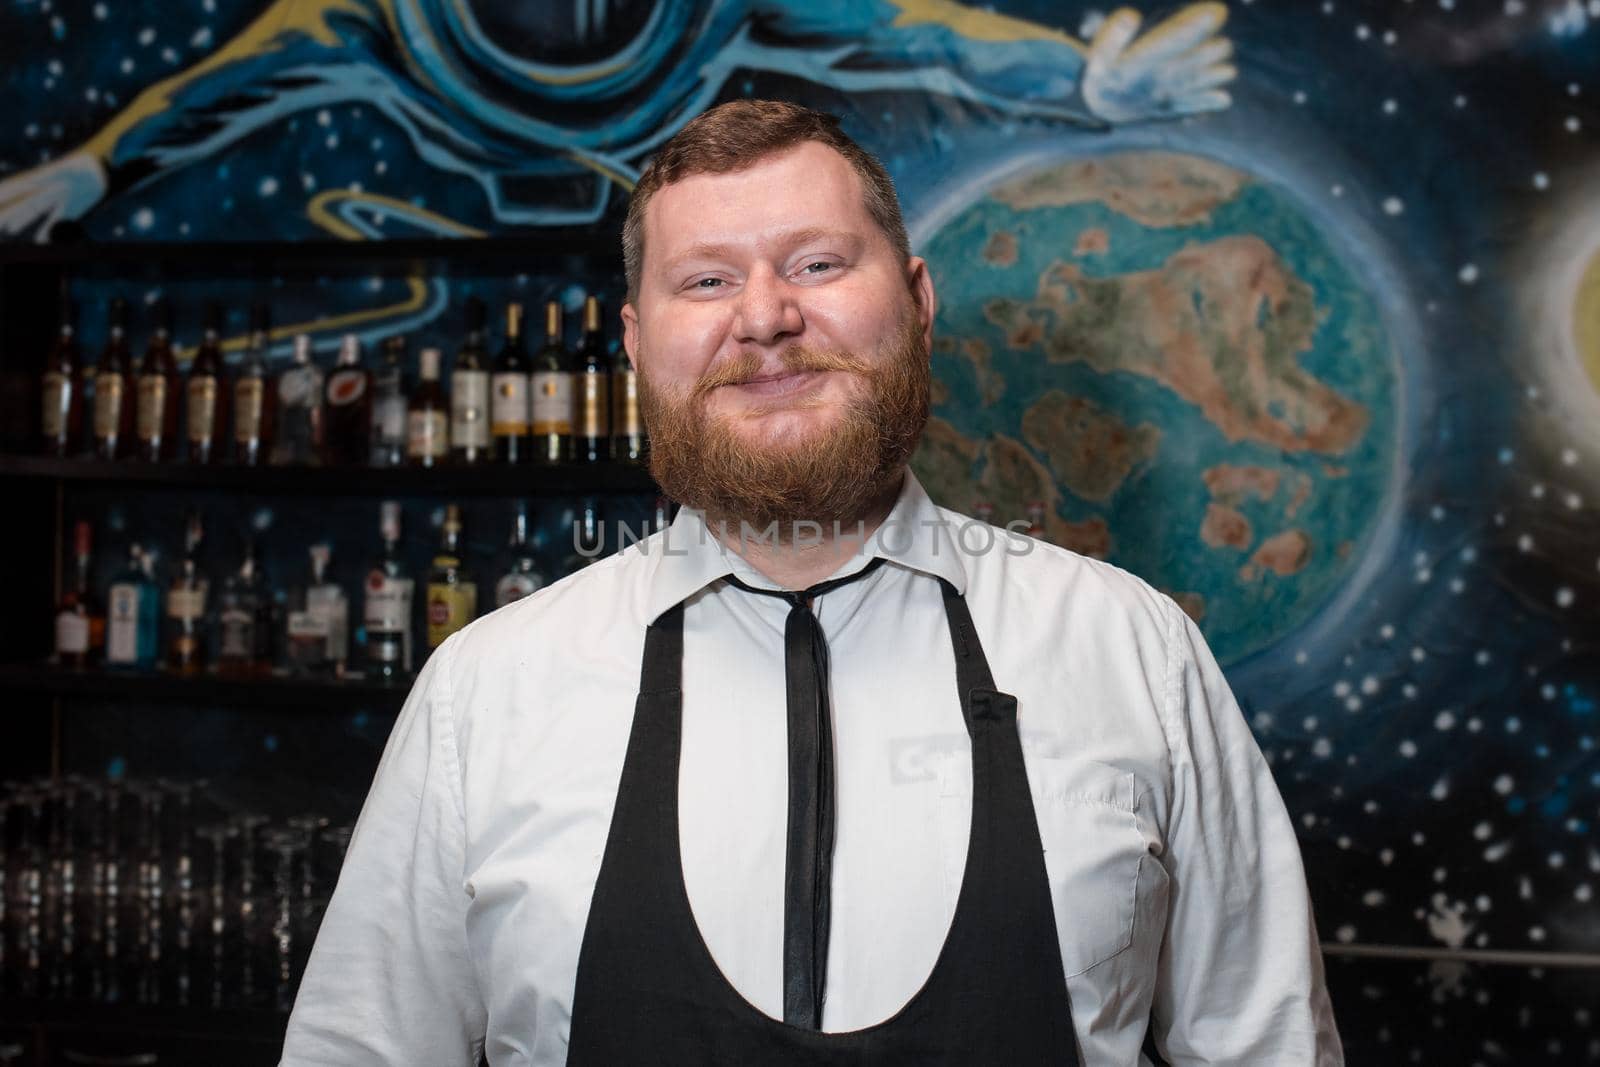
<point x="807" y="186"/>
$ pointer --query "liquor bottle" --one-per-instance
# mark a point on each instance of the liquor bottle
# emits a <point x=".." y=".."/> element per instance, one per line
<point x="186" y="605"/>
<point x="389" y="405"/>
<point x="132" y="616"/>
<point x="243" y="620"/>
<point x="522" y="577"/>
<point x="113" y="389"/>
<point x="349" y="407"/>
<point x="428" y="421"/>
<point x="387" y="611"/>
<point x="452" y="594"/>
<point x="508" y="406"/>
<point x="62" y="392"/>
<point x="207" y="408"/>
<point x="155" y="420"/>
<point x="80" y="624"/>
<point x="300" y="429"/>
<point x="628" y="442"/>
<point x="588" y="543"/>
<point x="469" y="392"/>
<point x="317" y="627"/>
<point x="254" y="399"/>
<point x="592" y="440"/>
<point x="552" y="394"/>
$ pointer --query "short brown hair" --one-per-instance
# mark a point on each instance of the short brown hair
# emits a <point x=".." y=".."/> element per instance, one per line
<point x="739" y="134"/>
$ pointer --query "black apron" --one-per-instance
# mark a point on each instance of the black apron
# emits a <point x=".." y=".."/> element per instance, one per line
<point x="649" y="991"/>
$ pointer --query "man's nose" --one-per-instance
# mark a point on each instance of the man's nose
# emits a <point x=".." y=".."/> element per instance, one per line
<point x="768" y="311"/>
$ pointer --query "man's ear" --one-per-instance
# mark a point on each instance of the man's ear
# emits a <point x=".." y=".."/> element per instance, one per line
<point x="920" y="279"/>
<point x="630" y="335"/>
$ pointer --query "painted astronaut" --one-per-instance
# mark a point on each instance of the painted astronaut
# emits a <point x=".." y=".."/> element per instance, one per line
<point x="533" y="100"/>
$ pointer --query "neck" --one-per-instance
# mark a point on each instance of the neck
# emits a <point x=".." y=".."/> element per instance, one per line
<point x="805" y="556"/>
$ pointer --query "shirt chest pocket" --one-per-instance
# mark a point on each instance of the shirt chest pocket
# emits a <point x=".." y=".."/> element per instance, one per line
<point x="1093" y="850"/>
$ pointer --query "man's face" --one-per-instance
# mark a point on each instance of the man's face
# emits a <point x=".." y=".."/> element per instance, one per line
<point x="774" y="323"/>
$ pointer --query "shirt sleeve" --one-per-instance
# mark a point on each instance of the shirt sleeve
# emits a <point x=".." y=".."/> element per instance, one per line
<point x="1240" y="979"/>
<point x="390" y="980"/>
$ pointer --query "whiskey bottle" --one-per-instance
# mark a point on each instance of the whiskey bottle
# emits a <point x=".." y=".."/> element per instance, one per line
<point x="62" y="390"/>
<point x="387" y="610"/>
<point x="254" y="399"/>
<point x="300" y="428"/>
<point x="317" y="627"/>
<point x="132" y="614"/>
<point x="389" y="405"/>
<point x="155" y="421"/>
<point x="80" y="624"/>
<point x="552" y="394"/>
<point x="428" y="421"/>
<point x="522" y="577"/>
<point x="207" y="393"/>
<point x="469" y="391"/>
<point x="628" y="442"/>
<point x="186" y="605"/>
<point x="242" y="620"/>
<point x="113" y="389"/>
<point x="592" y="442"/>
<point x="452" y="594"/>
<point x="588" y="542"/>
<point x="509" y="407"/>
<point x="349" y="407"/>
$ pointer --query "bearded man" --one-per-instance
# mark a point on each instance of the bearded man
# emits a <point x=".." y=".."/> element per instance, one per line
<point x="823" y="773"/>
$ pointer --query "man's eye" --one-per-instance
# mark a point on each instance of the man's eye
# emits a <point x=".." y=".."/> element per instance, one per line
<point x="812" y="268"/>
<point x="707" y="283"/>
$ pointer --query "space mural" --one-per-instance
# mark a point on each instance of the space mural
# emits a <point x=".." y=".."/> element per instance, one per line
<point x="1293" y="310"/>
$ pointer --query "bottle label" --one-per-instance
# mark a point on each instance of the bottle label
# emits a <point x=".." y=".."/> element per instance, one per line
<point x="122" y="623"/>
<point x="328" y="604"/>
<point x="514" y="587"/>
<point x="427" y="434"/>
<point x="72" y="633"/>
<point x="248" y="394"/>
<point x="594" y="404"/>
<point x="388" y="606"/>
<point x="151" y="409"/>
<point x="509" y="406"/>
<point x="552" y="403"/>
<point x="625" y="404"/>
<point x="469" y="409"/>
<point x="389" y="418"/>
<point x="346" y="386"/>
<point x="57" y="399"/>
<point x="294" y="388"/>
<point x="186" y="604"/>
<point x="450" y="607"/>
<point x="238" y="632"/>
<point x="202" y="408"/>
<point x="107" y="405"/>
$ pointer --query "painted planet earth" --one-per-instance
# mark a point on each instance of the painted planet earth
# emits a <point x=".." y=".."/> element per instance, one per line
<point x="1172" y="358"/>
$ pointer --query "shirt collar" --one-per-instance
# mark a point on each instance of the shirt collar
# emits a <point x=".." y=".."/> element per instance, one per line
<point x="915" y="535"/>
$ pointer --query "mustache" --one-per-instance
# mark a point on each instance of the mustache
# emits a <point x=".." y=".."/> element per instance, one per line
<point x="797" y="359"/>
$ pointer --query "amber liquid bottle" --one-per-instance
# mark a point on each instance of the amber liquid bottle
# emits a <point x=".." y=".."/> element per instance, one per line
<point x="155" y="421"/>
<point x="628" y="442"/>
<point x="113" y="389"/>
<point x="207" y="394"/>
<point x="553" y="398"/>
<point x="255" y="401"/>
<point x="186" y="606"/>
<point x="61" y="424"/>
<point x="592" y="441"/>
<point x="80" y="619"/>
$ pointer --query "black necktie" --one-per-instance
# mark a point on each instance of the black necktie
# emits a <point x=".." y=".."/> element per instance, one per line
<point x="808" y="865"/>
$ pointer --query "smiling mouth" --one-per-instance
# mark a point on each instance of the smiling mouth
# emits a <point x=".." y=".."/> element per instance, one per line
<point x="784" y="383"/>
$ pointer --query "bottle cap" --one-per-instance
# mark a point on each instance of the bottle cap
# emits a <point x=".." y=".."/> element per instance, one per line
<point x="429" y="360"/>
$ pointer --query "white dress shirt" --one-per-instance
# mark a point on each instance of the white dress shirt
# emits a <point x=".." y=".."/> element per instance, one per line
<point x="1180" y="898"/>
